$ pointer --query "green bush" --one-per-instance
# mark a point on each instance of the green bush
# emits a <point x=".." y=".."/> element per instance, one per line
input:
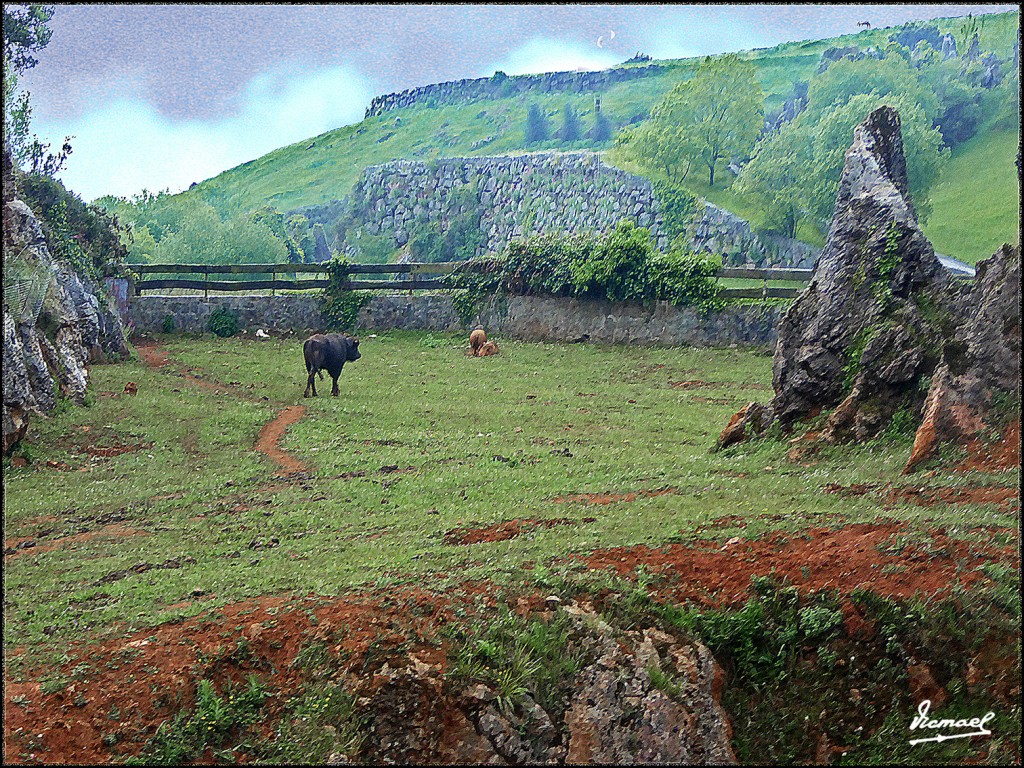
<point x="620" y="266"/>
<point x="339" y="305"/>
<point x="223" y="322"/>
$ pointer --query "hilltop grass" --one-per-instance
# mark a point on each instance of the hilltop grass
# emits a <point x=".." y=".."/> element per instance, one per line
<point x="423" y="440"/>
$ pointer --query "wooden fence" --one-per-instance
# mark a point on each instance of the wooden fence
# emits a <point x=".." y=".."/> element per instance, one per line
<point x="406" y="277"/>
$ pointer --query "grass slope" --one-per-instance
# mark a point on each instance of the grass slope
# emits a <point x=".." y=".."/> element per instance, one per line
<point x="424" y="440"/>
<point x="976" y="204"/>
<point x="317" y="170"/>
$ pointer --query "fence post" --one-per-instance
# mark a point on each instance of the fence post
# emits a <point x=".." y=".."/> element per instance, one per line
<point x="206" y="279"/>
<point x="273" y="279"/>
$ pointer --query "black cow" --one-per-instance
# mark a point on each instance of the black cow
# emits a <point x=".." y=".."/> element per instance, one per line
<point x="328" y="353"/>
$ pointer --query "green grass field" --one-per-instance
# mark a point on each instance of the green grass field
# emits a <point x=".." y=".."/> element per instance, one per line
<point x="976" y="203"/>
<point x="424" y="440"/>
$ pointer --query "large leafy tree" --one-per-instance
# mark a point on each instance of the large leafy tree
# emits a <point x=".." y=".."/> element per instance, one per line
<point x="25" y="34"/>
<point x="797" y="169"/>
<point x="714" y="115"/>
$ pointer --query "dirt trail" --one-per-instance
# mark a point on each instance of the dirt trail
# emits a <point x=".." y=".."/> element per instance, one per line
<point x="272" y="432"/>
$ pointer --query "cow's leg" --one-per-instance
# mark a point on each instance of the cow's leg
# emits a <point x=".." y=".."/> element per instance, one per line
<point x="311" y="384"/>
<point x="334" y="378"/>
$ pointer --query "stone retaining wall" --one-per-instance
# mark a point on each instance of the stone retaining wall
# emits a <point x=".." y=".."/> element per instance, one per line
<point x="515" y="195"/>
<point x="529" y="318"/>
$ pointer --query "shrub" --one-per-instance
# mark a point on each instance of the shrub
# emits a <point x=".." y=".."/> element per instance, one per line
<point x="620" y="266"/>
<point x="223" y="322"/>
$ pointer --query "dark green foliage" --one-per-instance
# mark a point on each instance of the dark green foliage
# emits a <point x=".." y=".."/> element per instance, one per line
<point x="321" y="721"/>
<point x="620" y="266"/>
<point x="25" y="33"/>
<point x="537" y="128"/>
<point x="215" y="720"/>
<point x="518" y="656"/>
<point x="167" y="325"/>
<point x="275" y="222"/>
<point x="677" y="206"/>
<point x="84" y="235"/>
<point x="339" y="305"/>
<point x="223" y="322"/>
<point x="460" y="241"/>
<point x="602" y="128"/>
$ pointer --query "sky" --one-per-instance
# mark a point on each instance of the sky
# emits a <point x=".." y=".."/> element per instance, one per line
<point x="161" y="96"/>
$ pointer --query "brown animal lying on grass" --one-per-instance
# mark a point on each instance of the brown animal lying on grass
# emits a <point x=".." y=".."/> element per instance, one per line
<point x="488" y="348"/>
<point x="476" y="341"/>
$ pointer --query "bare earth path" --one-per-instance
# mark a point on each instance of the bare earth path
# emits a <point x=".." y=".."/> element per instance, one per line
<point x="272" y="432"/>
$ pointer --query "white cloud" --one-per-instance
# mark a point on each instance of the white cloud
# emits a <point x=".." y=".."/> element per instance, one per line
<point x="543" y="54"/>
<point x="124" y="145"/>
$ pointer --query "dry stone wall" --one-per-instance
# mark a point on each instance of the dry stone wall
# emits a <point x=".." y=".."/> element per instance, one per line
<point x="462" y="91"/>
<point x="516" y="196"/>
<point x="530" y="318"/>
<point x="522" y="195"/>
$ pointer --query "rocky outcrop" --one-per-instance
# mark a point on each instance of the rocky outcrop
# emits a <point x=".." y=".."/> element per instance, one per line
<point x="980" y="366"/>
<point x="501" y="86"/>
<point x="880" y="320"/>
<point x="642" y="696"/>
<point x="856" y="336"/>
<point x="55" y="324"/>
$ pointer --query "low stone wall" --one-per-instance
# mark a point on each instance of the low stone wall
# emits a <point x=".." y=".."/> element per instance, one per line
<point x="463" y="91"/>
<point x="528" y="318"/>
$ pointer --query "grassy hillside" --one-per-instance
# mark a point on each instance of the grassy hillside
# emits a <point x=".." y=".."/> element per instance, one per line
<point x="317" y="170"/>
<point x="976" y="205"/>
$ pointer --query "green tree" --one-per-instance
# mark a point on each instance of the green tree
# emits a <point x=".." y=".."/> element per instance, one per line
<point x="536" y="125"/>
<point x="25" y="34"/>
<point x="570" y="130"/>
<point x="715" y="115"/>
<point x="800" y="165"/>
<point x="602" y="128"/>
<point x="847" y="78"/>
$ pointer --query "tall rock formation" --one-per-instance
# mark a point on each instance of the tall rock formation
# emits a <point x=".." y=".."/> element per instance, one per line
<point x="856" y="337"/>
<point x="881" y="321"/>
<point x="978" y="376"/>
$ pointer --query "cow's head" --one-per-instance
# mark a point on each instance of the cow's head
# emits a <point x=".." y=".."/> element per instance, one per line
<point x="353" y="349"/>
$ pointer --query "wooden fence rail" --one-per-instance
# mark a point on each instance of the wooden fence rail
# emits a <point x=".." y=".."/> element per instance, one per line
<point x="416" y="277"/>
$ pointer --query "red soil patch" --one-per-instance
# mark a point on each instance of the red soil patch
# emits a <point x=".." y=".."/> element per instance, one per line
<point x="610" y="498"/>
<point x="845" y="559"/>
<point x="272" y="433"/>
<point x="132" y="682"/>
<point x="153" y="355"/>
<point x="508" y="529"/>
<point x="1004" y="454"/>
<point x="115" y="450"/>
<point x="112" y="531"/>
<point x="890" y="495"/>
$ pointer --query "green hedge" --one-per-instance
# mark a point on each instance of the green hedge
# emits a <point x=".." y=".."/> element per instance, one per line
<point x="622" y="266"/>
